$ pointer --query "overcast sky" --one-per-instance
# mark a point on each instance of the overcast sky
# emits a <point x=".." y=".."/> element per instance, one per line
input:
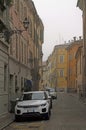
<point x="62" y="21"/>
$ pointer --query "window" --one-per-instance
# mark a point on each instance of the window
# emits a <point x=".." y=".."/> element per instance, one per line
<point x="30" y="26"/>
<point x="16" y="46"/>
<point x="70" y="71"/>
<point x="17" y="5"/>
<point x="22" y="49"/>
<point x="21" y="11"/>
<point x="22" y="83"/>
<point x="11" y="47"/>
<point x="70" y="57"/>
<point x="61" y="73"/>
<point x="41" y="35"/>
<point x="25" y="12"/>
<point x="16" y="87"/>
<point x="25" y="54"/>
<point x="5" y="77"/>
<point x="61" y="59"/>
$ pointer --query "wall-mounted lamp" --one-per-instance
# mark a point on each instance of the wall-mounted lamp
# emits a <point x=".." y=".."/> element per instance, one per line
<point x="26" y="23"/>
<point x="7" y="33"/>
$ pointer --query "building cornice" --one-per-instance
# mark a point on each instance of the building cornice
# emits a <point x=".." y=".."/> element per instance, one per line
<point x="80" y="4"/>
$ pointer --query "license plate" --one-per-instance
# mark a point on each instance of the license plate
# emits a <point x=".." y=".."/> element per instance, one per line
<point x="30" y="110"/>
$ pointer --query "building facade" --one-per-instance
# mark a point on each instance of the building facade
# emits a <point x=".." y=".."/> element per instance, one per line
<point x="25" y="51"/>
<point x="71" y="72"/>
<point x="57" y="68"/>
<point x="47" y="72"/>
<point x="79" y="63"/>
<point x="4" y="62"/>
<point x="20" y="51"/>
<point x="82" y="5"/>
<point x="53" y="72"/>
<point x="61" y="66"/>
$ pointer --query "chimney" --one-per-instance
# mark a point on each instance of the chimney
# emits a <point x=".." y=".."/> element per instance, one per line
<point x="74" y="39"/>
<point x="69" y="41"/>
<point x="79" y="37"/>
<point x="64" y="42"/>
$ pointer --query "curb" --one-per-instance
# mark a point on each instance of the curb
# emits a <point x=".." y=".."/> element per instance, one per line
<point x="5" y="120"/>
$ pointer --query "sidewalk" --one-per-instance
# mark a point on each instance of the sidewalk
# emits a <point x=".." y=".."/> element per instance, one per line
<point x="6" y="120"/>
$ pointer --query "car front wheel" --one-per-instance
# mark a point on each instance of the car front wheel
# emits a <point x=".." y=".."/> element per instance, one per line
<point x="17" y="118"/>
<point x="47" y="116"/>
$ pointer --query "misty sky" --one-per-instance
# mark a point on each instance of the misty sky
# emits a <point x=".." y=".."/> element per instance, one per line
<point x="62" y="21"/>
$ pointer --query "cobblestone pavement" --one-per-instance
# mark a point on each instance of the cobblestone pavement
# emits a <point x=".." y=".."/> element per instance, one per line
<point x="6" y="120"/>
<point x="68" y="113"/>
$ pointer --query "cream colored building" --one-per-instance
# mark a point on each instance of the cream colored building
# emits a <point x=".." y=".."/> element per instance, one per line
<point x="45" y="73"/>
<point x="79" y="63"/>
<point x="82" y="5"/>
<point x="21" y="59"/>
<point x="25" y="51"/>
<point x="4" y="90"/>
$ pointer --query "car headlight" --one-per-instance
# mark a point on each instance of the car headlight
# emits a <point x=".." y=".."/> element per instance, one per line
<point x="19" y="106"/>
<point x="43" y="104"/>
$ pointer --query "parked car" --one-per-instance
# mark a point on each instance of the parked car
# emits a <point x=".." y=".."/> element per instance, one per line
<point x="33" y="103"/>
<point x="50" y="98"/>
<point x="52" y="92"/>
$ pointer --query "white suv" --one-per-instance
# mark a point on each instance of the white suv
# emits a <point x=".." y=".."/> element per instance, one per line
<point x="34" y="103"/>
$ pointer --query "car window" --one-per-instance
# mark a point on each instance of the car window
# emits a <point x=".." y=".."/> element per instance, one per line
<point x="33" y="96"/>
<point x="38" y="96"/>
<point x="27" y="96"/>
<point x="52" y="90"/>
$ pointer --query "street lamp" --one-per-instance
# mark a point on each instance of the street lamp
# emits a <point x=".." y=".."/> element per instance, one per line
<point x="26" y="23"/>
<point x="7" y="33"/>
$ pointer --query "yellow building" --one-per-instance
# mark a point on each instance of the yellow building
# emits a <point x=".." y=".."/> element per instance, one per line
<point x="82" y="5"/>
<point x="58" y="68"/>
<point x="72" y="49"/>
<point x="53" y="73"/>
<point x="61" y="67"/>
<point x="79" y="63"/>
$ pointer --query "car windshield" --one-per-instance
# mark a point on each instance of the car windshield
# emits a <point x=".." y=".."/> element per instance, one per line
<point x="33" y="96"/>
<point x="52" y="90"/>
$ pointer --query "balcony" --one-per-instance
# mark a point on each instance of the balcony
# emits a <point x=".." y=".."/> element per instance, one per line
<point x="2" y="5"/>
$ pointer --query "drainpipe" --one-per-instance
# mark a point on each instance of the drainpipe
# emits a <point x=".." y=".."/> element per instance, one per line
<point x="84" y="48"/>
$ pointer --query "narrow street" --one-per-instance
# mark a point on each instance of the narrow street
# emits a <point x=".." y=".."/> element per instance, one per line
<point x="68" y="113"/>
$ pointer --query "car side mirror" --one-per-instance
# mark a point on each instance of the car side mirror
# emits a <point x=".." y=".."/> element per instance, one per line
<point x="17" y="99"/>
<point x="49" y="97"/>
